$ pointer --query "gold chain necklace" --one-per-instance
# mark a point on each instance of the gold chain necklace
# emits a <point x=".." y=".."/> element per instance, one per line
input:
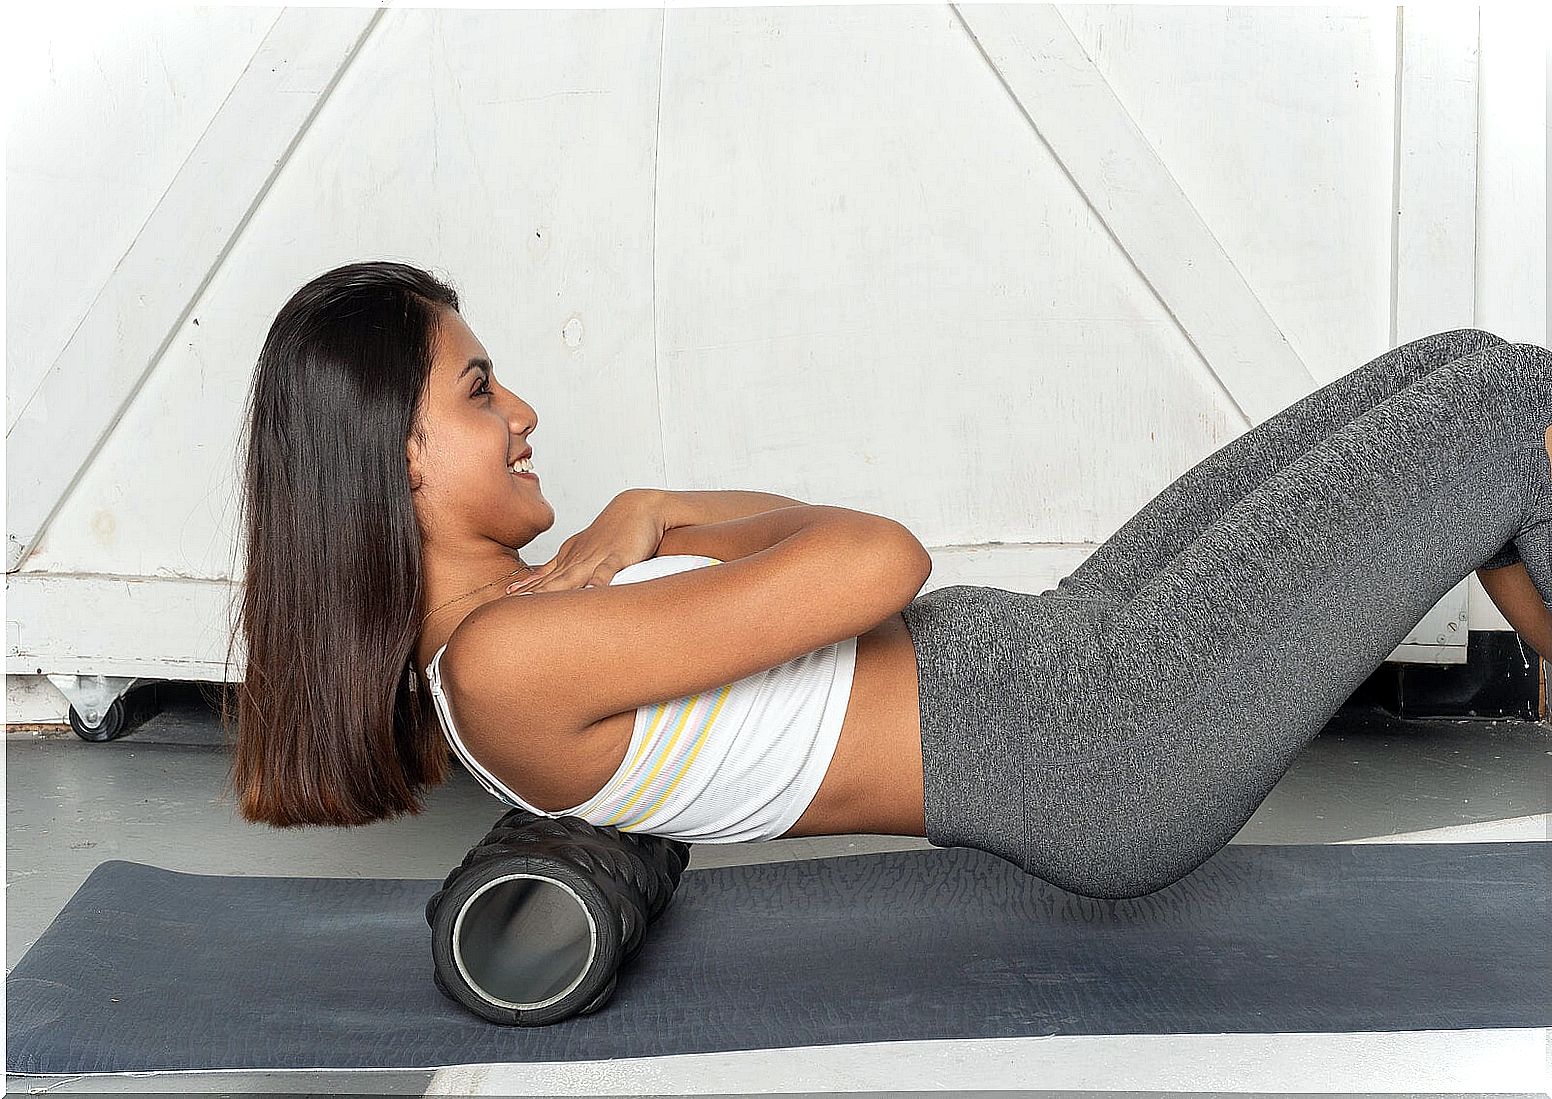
<point x="482" y="587"/>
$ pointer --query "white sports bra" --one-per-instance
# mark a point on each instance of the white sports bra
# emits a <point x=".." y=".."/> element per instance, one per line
<point x="741" y="762"/>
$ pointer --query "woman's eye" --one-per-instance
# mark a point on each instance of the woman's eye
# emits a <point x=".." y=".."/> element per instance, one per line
<point x="484" y="388"/>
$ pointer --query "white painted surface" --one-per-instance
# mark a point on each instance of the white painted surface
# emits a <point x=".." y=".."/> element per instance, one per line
<point x="1000" y="272"/>
<point x="64" y="418"/>
<point x="1404" y="1061"/>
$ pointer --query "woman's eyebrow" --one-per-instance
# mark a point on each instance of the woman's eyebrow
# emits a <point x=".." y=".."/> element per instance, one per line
<point x="482" y="364"/>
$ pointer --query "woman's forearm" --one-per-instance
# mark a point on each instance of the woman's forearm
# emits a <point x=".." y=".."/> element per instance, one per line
<point x="1517" y="598"/>
<point x="695" y="507"/>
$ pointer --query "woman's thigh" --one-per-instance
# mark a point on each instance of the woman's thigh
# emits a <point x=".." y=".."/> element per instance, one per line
<point x="1112" y="746"/>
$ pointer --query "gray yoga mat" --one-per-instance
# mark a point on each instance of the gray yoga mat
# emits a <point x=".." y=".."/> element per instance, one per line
<point x="147" y="969"/>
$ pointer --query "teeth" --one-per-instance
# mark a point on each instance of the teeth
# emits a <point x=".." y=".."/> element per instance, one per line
<point x="523" y="465"/>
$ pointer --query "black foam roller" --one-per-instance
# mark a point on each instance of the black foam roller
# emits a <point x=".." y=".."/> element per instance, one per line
<point x="535" y="923"/>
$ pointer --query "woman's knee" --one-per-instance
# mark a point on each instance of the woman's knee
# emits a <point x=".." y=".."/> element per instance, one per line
<point x="1505" y="388"/>
<point x="1520" y="361"/>
<point x="1538" y="358"/>
<point x="1456" y="342"/>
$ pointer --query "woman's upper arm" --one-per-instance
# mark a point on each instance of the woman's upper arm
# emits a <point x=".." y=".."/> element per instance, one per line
<point x="566" y="659"/>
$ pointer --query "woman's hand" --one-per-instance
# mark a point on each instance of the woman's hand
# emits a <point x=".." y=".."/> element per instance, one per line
<point x="628" y="530"/>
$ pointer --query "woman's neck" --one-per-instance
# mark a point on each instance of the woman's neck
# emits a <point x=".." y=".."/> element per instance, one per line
<point x="455" y="589"/>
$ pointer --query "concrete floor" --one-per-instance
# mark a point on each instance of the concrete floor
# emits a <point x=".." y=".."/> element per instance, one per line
<point x="152" y="797"/>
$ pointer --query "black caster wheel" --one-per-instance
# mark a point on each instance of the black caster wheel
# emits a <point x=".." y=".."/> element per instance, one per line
<point x="126" y="714"/>
<point x="114" y="724"/>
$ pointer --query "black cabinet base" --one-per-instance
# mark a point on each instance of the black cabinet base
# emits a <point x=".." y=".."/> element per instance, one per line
<point x="1501" y="678"/>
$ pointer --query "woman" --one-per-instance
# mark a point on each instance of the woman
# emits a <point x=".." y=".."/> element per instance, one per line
<point x="1108" y="735"/>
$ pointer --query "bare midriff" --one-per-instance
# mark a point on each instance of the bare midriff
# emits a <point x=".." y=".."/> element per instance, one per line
<point x="874" y="782"/>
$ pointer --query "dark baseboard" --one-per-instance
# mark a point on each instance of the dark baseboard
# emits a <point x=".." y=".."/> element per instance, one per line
<point x="1500" y="679"/>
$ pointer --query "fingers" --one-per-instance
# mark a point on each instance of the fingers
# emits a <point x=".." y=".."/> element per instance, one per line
<point x="539" y="573"/>
<point x="562" y="579"/>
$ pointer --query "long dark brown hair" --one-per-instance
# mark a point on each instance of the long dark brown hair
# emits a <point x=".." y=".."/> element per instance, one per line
<point x="329" y="731"/>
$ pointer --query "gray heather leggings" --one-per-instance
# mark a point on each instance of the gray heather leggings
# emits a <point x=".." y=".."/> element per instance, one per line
<point x="1110" y="734"/>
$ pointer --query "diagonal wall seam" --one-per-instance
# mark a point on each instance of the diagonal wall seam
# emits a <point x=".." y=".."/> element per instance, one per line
<point x="177" y="322"/>
<point x="1225" y="392"/>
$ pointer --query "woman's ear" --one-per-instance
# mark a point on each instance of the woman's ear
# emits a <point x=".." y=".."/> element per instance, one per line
<point x="412" y="462"/>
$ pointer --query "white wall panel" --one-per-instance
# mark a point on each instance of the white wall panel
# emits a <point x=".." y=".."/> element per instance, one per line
<point x="1511" y="297"/>
<point x="841" y="320"/>
<point x="849" y="254"/>
<point x="135" y="318"/>
<point x="1276" y="122"/>
<point x="92" y="149"/>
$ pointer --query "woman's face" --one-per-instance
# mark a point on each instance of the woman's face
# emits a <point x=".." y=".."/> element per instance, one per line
<point x="474" y="428"/>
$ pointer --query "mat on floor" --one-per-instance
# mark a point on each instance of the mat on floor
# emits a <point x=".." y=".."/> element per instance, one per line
<point x="147" y="969"/>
